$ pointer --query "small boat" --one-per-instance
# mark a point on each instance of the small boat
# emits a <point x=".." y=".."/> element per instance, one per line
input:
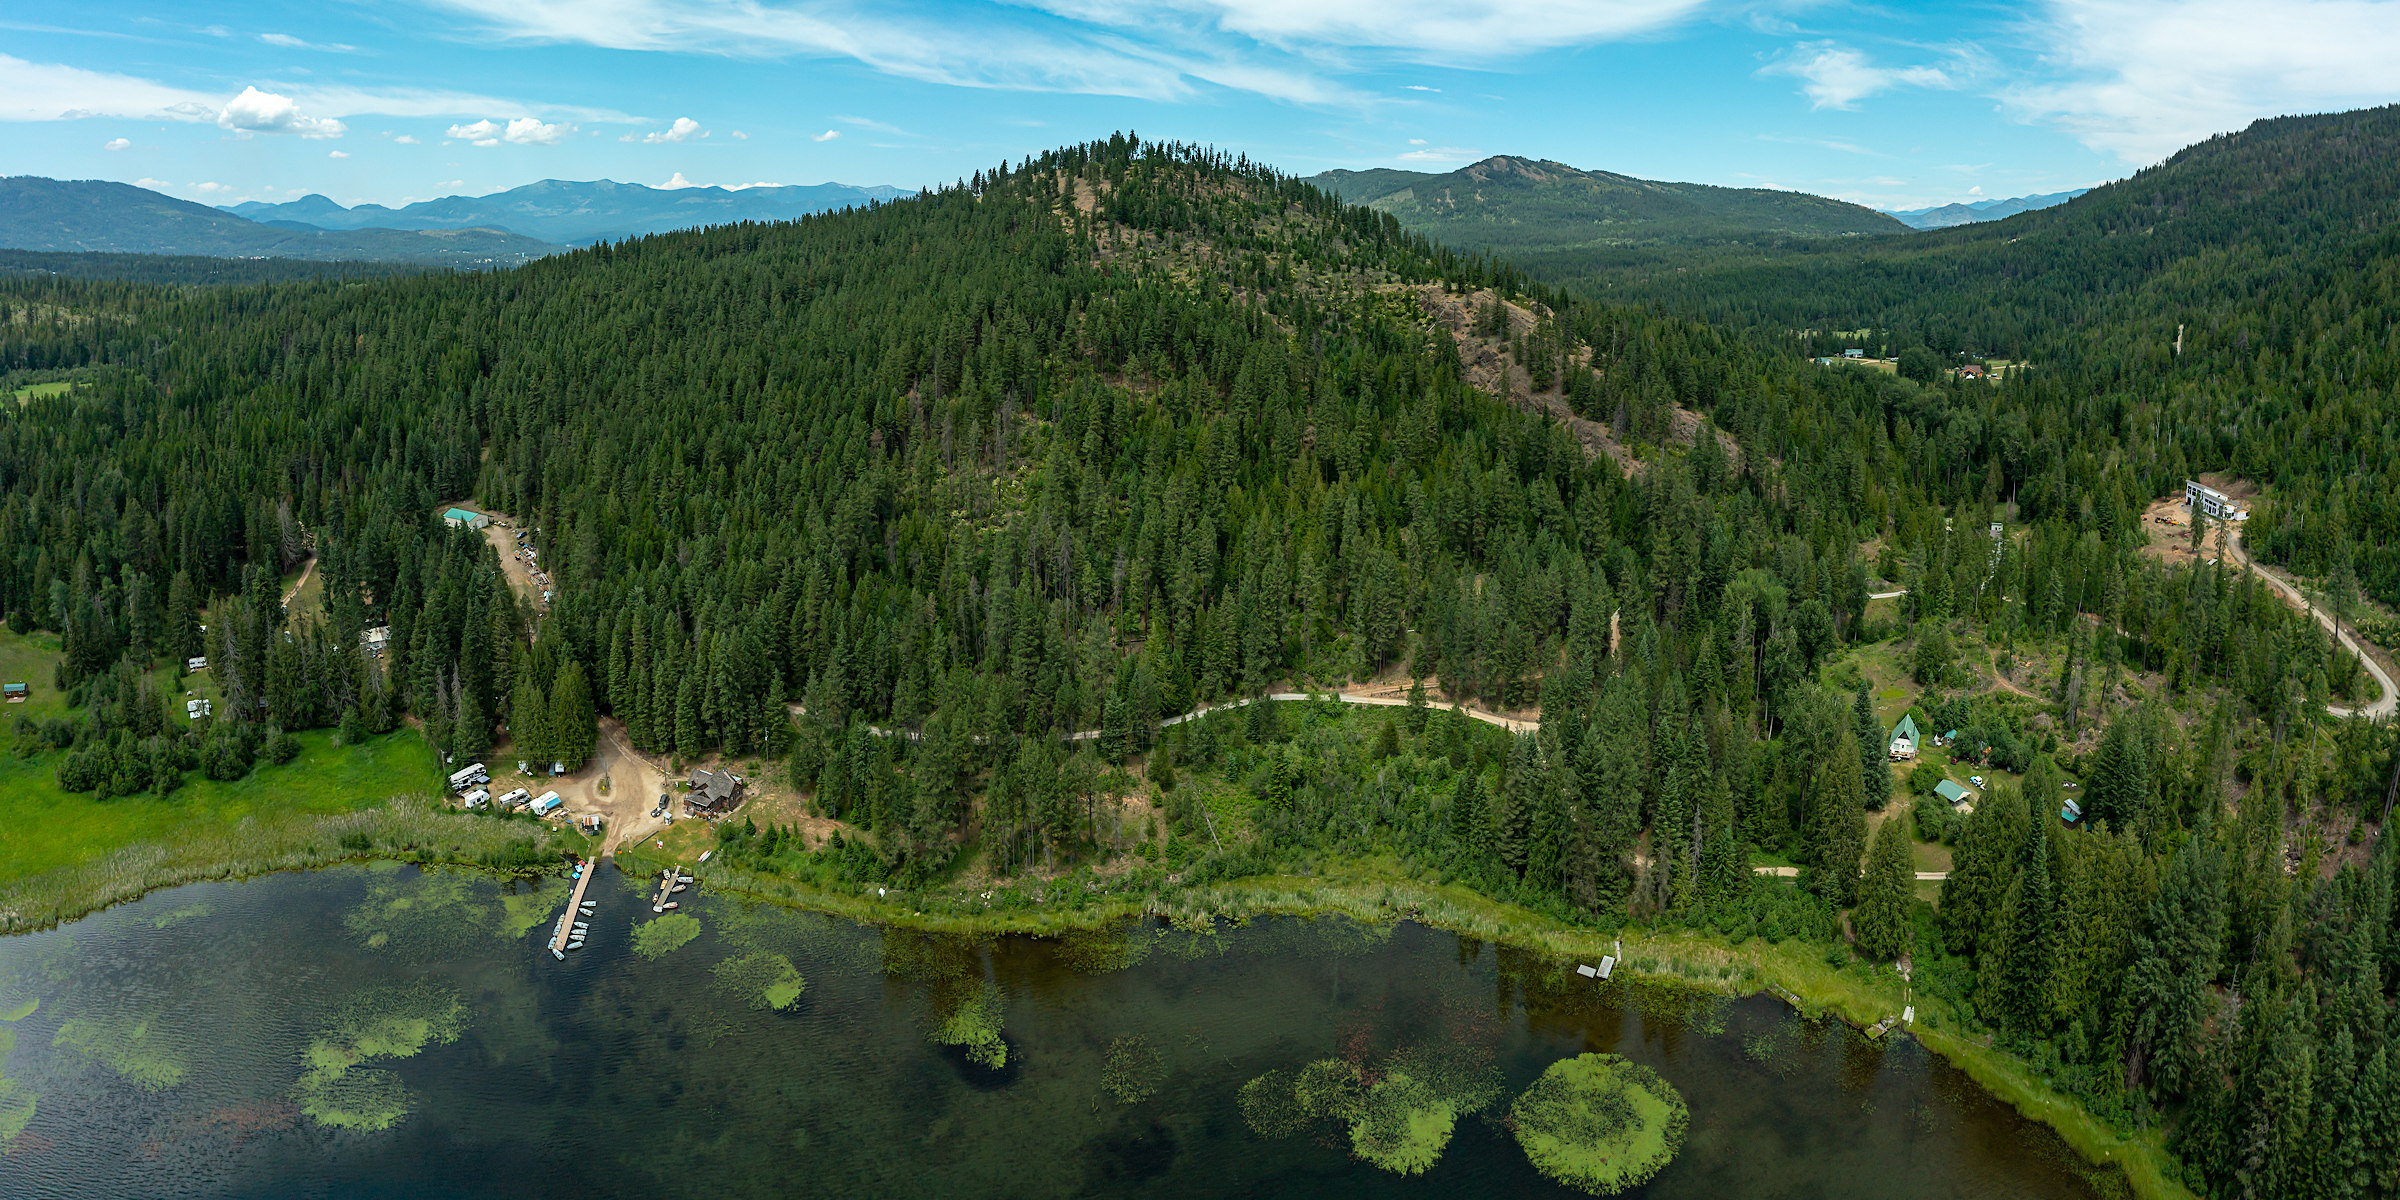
<point x="574" y="945"/>
<point x="679" y="887"/>
<point x="557" y="954"/>
<point x="656" y="908"/>
<point x="672" y="904"/>
<point x="683" y="879"/>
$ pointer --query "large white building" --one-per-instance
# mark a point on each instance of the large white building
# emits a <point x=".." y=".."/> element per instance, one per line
<point x="2199" y="497"/>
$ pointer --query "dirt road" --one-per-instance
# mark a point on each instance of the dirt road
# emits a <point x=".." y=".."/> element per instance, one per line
<point x="2382" y="708"/>
<point x="634" y="786"/>
<point x="502" y="534"/>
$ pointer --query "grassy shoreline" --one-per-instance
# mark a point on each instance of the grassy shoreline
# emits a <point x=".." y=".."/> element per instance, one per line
<point x="408" y="828"/>
<point x="1796" y="969"/>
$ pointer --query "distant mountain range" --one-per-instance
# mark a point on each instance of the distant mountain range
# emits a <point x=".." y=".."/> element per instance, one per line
<point x="88" y="215"/>
<point x="1509" y="203"/>
<point x="577" y="214"/>
<point x="1949" y="215"/>
<point x="469" y="232"/>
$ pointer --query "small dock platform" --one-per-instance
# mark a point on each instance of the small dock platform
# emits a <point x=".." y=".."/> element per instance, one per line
<point x="566" y="922"/>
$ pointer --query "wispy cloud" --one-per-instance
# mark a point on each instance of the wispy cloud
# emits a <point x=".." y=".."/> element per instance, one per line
<point x="117" y="144"/>
<point x="1439" y="154"/>
<point x="288" y="42"/>
<point x="826" y="136"/>
<point x="1837" y="76"/>
<point x="2142" y="78"/>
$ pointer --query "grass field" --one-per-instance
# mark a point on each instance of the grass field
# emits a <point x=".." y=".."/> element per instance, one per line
<point x="44" y="830"/>
<point x="42" y="391"/>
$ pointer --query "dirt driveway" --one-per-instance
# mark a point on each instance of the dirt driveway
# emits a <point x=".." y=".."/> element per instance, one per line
<point x="635" y="784"/>
<point x="502" y="534"/>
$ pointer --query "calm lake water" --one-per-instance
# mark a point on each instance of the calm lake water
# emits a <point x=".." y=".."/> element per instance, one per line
<point x="378" y="1031"/>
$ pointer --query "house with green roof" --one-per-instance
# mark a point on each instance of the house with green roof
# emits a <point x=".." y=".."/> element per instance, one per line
<point x="1904" y="739"/>
<point x="467" y="518"/>
<point x="1949" y="790"/>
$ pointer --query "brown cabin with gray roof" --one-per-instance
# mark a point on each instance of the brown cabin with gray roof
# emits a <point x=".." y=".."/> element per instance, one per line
<point x="714" y="793"/>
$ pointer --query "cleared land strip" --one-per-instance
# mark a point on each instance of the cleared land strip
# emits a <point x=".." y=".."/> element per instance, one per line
<point x="2384" y="707"/>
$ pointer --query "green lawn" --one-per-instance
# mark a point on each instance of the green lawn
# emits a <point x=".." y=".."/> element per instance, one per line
<point x="43" y="828"/>
<point x="43" y="391"/>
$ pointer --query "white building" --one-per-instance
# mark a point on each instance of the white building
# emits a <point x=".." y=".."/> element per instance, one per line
<point x="2199" y="497"/>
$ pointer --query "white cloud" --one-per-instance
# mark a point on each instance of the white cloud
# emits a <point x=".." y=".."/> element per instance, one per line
<point x="523" y="131"/>
<point x="31" y="91"/>
<point x="2142" y="78"/>
<point x="1417" y="87"/>
<point x="678" y="183"/>
<point x="1440" y="154"/>
<point x="738" y="136"/>
<point x="211" y="189"/>
<point x="255" y="111"/>
<point x="1416" y="141"/>
<point x="339" y="154"/>
<point x="156" y="185"/>
<point x="826" y="136"/>
<point x="289" y="42"/>
<point x="683" y="130"/>
<point x="117" y="144"/>
<point x="1438" y="30"/>
<point x="1834" y="76"/>
<point x="406" y="139"/>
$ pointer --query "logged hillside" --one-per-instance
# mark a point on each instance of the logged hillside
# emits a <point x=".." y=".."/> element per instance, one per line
<point x="1127" y="428"/>
<point x="1515" y="205"/>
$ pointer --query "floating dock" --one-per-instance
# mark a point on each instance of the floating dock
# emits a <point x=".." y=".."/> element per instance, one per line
<point x="566" y="920"/>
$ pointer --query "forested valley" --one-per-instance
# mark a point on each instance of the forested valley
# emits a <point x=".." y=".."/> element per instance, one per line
<point x="900" y="498"/>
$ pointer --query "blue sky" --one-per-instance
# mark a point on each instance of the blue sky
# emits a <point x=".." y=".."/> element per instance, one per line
<point x="1896" y="105"/>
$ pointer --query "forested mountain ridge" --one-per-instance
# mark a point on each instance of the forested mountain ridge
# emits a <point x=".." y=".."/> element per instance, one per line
<point x="1512" y="204"/>
<point x="1127" y="427"/>
<point x="94" y="215"/>
<point x="2229" y="309"/>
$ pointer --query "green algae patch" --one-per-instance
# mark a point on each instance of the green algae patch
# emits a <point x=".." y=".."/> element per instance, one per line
<point x="1132" y="1070"/>
<point x="764" y="980"/>
<point x="1599" y="1123"/>
<point x="380" y="1023"/>
<point x="974" y="1025"/>
<point x="1105" y="949"/>
<point x="21" y="1011"/>
<point x="16" y="1100"/>
<point x="189" y="912"/>
<point x="126" y="1046"/>
<point x="1403" y="1125"/>
<point x="662" y="936"/>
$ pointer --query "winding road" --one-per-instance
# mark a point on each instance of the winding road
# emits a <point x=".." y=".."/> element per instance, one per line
<point x="2382" y="708"/>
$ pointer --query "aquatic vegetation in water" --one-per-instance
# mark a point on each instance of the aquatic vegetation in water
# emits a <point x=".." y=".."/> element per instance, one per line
<point x="660" y="936"/>
<point x="975" y="1025"/>
<point x="764" y="980"/>
<point x="1599" y="1123"/>
<point x="126" y="1045"/>
<point x="1108" y="948"/>
<point x="16" y="1100"/>
<point x="443" y="912"/>
<point x="1133" y="1069"/>
<point x="179" y="916"/>
<point x="386" y="1022"/>
<point x="21" y="1011"/>
<point x="1400" y="1115"/>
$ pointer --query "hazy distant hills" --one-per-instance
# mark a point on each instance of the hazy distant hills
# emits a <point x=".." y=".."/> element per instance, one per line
<point x="1509" y="203"/>
<point x="1950" y="215"/>
<point x="93" y="215"/>
<point x="575" y="214"/>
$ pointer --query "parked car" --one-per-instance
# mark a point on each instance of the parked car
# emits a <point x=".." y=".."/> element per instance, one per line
<point x="1977" y="780"/>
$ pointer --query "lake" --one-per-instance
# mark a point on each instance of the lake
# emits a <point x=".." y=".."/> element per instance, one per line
<point x="381" y="1031"/>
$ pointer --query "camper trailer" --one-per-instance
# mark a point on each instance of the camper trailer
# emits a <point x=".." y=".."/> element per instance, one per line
<point x="547" y="804"/>
<point x="469" y="776"/>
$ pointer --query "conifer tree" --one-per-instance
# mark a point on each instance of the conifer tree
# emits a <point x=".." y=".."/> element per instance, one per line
<point x="1882" y="917"/>
<point x="529" y="720"/>
<point x="1874" y="760"/>
<point x="573" y="725"/>
<point x="1835" y="834"/>
<point x="2033" y="940"/>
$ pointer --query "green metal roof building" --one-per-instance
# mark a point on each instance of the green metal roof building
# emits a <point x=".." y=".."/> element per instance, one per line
<point x="466" y="517"/>
<point x="1950" y="791"/>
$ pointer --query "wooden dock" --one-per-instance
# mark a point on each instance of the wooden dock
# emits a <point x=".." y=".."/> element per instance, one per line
<point x="566" y="923"/>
